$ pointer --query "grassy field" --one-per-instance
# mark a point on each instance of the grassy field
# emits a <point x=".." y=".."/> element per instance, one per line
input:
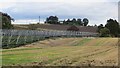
<point x="64" y="52"/>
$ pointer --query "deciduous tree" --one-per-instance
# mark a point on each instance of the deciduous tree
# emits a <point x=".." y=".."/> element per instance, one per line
<point x="6" y="21"/>
<point x="113" y="26"/>
<point x="105" y="32"/>
<point x="52" y="20"/>
<point x="85" y="21"/>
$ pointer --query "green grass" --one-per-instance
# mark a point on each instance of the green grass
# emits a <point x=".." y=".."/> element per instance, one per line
<point x="24" y="49"/>
<point x="58" y="55"/>
<point x="83" y="41"/>
<point x="26" y="56"/>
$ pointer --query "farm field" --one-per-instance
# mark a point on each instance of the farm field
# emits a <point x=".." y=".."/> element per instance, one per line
<point x="64" y="52"/>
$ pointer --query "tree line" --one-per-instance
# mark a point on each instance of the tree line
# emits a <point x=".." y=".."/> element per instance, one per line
<point x="6" y="21"/>
<point x="74" y="21"/>
<point x="111" y="29"/>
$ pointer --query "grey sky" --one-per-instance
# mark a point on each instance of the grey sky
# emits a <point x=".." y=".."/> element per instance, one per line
<point x="28" y="11"/>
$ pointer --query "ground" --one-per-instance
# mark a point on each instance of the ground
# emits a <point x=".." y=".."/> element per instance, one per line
<point x="64" y="52"/>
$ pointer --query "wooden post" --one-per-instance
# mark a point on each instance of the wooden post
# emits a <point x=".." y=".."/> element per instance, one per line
<point x="17" y="40"/>
<point x="1" y="37"/>
<point x="25" y="38"/>
<point x="9" y="40"/>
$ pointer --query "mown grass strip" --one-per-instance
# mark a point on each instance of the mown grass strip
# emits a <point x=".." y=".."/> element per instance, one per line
<point x="100" y="41"/>
<point x="83" y="41"/>
<point x="20" y="49"/>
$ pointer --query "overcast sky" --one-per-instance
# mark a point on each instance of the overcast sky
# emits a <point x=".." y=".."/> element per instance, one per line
<point x="28" y="11"/>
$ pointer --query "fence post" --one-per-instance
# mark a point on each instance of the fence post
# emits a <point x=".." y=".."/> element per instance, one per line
<point x="9" y="40"/>
<point x="25" y="38"/>
<point x="31" y="36"/>
<point x="1" y="37"/>
<point x="18" y="39"/>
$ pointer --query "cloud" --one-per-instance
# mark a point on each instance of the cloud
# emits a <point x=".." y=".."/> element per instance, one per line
<point x="59" y="1"/>
<point x="26" y="21"/>
<point x="96" y="11"/>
